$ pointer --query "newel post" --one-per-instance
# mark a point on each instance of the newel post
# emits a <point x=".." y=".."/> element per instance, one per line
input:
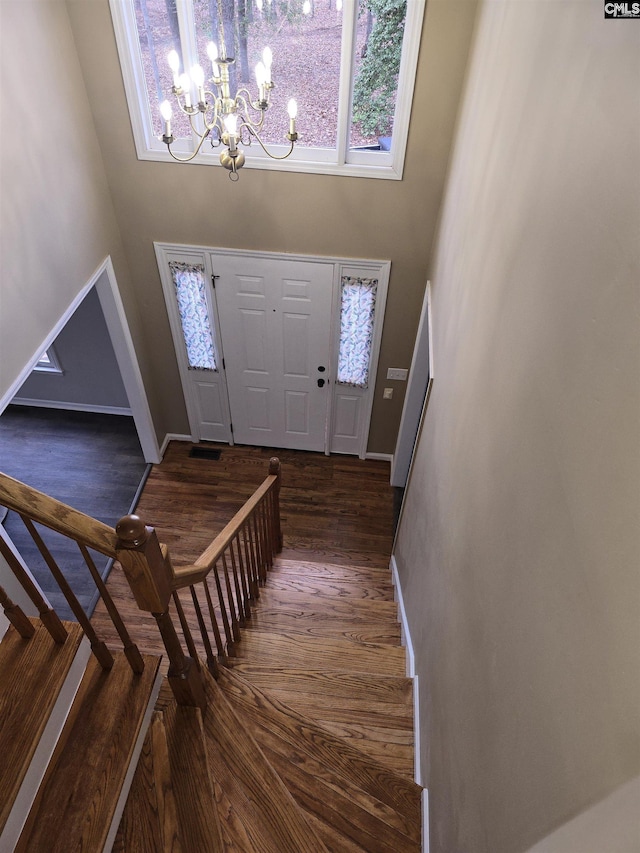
<point x="276" y="468"/>
<point x="148" y="572"/>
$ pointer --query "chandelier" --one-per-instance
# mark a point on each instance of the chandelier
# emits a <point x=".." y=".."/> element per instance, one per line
<point x="227" y="121"/>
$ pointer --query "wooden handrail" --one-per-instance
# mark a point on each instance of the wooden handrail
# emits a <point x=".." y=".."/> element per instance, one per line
<point x="184" y="576"/>
<point x="57" y="516"/>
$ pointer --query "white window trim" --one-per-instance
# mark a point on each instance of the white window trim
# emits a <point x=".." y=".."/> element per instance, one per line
<point x="54" y="363"/>
<point x="340" y="161"/>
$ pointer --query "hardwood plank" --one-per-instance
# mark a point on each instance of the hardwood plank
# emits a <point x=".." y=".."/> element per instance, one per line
<point x="316" y="586"/>
<point x="299" y="651"/>
<point x="363" y="608"/>
<point x="334" y="840"/>
<point x="339" y="807"/>
<point x="313" y="568"/>
<point x="271" y="818"/>
<point x="332" y="757"/>
<point x="77" y="798"/>
<point x="331" y="683"/>
<point x="32" y="673"/>
<point x="143" y="828"/>
<point x="318" y="624"/>
<point x="199" y="826"/>
<point x="234" y="833"/>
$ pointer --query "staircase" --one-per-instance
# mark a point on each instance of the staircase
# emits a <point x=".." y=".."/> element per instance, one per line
<point x="310" y="721"/>
<point x="301" y="738"/>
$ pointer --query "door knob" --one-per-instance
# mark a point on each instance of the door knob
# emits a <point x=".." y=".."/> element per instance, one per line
<point x="320" y="383"/>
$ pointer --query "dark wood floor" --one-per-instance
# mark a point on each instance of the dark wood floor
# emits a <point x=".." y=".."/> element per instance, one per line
<point x="92" y="462"/>
<point x="335" y="509"/>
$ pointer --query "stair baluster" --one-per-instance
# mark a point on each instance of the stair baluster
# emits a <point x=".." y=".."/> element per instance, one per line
<point x="48" y="616"/>
<point x="16" y="616"/>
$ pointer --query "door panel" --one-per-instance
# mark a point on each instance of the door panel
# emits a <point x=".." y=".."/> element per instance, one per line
<point x="275" y="320"/>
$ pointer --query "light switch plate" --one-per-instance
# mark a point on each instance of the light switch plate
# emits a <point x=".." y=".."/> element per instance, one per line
<point x="397" y="373"/>
<point x="387" y="394"/>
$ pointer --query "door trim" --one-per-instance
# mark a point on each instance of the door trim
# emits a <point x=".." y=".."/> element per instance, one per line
<point x="355" y="444"/>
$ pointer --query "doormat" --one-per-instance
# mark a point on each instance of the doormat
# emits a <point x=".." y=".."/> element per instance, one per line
<point x="204" y="453"/>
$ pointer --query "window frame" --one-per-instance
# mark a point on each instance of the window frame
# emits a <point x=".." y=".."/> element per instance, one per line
<point x="52" y="366"/>
<point x="338" y="161"/>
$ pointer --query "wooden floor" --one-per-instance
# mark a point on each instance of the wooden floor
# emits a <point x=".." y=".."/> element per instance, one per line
<point x="318" y="677"/>
<point x="337" y="508"/>
<point x="90" y="461"/>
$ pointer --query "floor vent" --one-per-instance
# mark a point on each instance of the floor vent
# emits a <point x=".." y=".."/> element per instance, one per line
<point x="204" y="453"/>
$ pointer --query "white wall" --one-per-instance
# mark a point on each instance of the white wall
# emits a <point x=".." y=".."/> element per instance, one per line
<point x="519" y="545"/>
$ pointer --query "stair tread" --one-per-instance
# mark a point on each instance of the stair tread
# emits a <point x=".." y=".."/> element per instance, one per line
<point x="76" y="802"/>
<point x="372" y="608"/>
<point x="26" y="703"/>
<point x="149" y="822"/>
<point x="328" y="682"/>
<point x="315" y="585"/>
<point x="330" y="778"/>
<point x="299" y="651"/>
<point x="339" y="571"/>
<point x="300" y="548"/>
<point x="272" y="820"/>
<point x="199" y="826"/>
<point x="319" y="624"/>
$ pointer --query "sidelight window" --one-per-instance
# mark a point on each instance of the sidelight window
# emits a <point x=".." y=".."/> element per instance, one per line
<point x="357" y="313"/>
<point x="189" y="281"/>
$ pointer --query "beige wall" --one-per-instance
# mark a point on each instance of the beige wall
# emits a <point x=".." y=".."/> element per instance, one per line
<point x="519" y="547"/>
<point x="282" y="212"/>
<point x="58" y="223"/>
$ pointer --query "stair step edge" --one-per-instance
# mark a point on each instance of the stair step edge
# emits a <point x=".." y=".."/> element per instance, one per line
<point x="43" y="752"/>
<point x="58" y="822"/>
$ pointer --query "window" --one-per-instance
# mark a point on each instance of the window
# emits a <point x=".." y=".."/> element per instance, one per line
<point x="350" y="65"/>
<point x="189" y="282"/>
<point x="48" y="362"/>
<point x="357" y="311"/>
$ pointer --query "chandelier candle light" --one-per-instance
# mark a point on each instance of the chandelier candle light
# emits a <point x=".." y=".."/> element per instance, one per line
<point x="227" y="121"/>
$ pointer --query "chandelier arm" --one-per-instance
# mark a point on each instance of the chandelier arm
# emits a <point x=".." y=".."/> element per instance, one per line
<point x="240" y="96"/>
<point x="194" y="154"/>
<point x="266" y="150"/>
<point x="253" y="126"/>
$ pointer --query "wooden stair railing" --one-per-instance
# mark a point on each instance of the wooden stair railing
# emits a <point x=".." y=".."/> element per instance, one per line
<point x="145" y="564"/>
<point x="235" y="563"/>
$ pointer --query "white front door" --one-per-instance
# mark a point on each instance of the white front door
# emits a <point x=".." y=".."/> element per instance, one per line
<point x="275" y="324"/>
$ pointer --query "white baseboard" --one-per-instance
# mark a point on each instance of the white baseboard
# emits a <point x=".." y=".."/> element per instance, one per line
<point x="402" y="618"/>
<point x="425" y="820"/>
<point x="411" y="673"/>
<point x="173" y="436"/>
<point x="410" y="667"/>
<point x="71" y="407"/>
<point x="384" y="457"/>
